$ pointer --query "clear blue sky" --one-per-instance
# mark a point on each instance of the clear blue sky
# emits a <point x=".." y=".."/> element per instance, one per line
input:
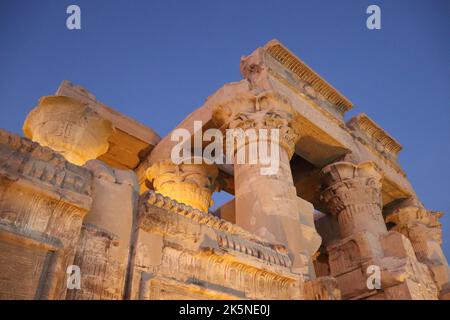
<point x="157" y="61"/>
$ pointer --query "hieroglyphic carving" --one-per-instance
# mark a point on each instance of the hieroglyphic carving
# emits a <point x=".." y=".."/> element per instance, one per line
<point x="228" y="275"/>
<point x="101" y="274"/>
<point x="43" y="201"/>
<point x="179" y="249"/>
<point x="323" y="288"/>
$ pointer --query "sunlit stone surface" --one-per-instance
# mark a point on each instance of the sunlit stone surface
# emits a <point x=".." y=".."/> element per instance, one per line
<point x="92" y="188"/>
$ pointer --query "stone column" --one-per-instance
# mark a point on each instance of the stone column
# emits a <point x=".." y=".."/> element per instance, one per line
<point x="423" y="228"/>
<point x="353" y="193"/>
<point x="267" y="203"/>
<point x="191" y="184"/>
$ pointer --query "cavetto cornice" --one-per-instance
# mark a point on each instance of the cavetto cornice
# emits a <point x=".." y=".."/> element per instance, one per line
<point x="366" y="129"/>
<point x="291" y="62"/>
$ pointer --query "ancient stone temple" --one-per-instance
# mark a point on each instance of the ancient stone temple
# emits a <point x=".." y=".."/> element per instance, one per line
<point x="92" y="205"/>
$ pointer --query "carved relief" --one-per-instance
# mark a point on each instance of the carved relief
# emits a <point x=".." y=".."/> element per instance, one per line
<point x="353" y="193"/>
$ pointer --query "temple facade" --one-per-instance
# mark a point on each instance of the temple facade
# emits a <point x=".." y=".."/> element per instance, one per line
<point x="92" y="205"/>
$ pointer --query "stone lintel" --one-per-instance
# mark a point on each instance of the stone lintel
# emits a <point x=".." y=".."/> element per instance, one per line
<point x="327" y="138"/>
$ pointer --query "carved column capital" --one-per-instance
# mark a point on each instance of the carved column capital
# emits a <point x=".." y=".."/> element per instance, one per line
<point x="353" y="193"/>
<point x="268" y="110"/>
<point x="350" y="184"/>
<point x="69" y="127"/>
<point x="191" y="184"/>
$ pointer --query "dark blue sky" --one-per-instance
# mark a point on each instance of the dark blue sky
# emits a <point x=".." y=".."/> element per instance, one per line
<point x="157" y="61"/>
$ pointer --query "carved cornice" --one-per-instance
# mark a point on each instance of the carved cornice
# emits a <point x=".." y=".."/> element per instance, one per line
<point x="34" y="164"/>
<point x="373" y="134"/>
<point x="291" y="62"/>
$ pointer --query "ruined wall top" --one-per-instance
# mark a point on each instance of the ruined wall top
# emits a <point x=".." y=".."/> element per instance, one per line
<point x="35" y="166"/>
<point x="286" y="67"/>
